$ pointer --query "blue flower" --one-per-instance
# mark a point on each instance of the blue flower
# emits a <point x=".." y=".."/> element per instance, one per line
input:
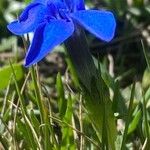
<point x="53" y="21"/>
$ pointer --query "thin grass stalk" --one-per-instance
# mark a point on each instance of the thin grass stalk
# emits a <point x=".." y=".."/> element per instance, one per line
<point x="7" y="128"/>
<point x="43" y="114"/>
<point x="3" y="142"/>
<point x="52" y="138"/>
<point x="145" y="144"/>
<point x="146" y="124"/>
<point x="76" y="138"/>
<point x="46" y="119"/>
<point x="5" y="98"/>
<point x="23" y="108"/>
<point x="104" y="131"/>
<point x="11" y="102"/>
<point x="48" y="127"/>
<point x="129" y="115"/>
<point x="27" y="121"/>
<point x="81" y="123"/>
<point x="34" y="133"/>
<point x="18" y="92"/>
<point x="145" y="55"/>
<point x="37" y="94"/>
<point x="105" y="144"/>
<point x="101" y="96"/>
<point x="76" y="130"/>
<point x="16" y="111"/>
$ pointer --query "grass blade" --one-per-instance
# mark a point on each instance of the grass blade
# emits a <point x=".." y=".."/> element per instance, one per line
<point x="146" y="124"/>
<point x="146" y="55"/>
<point x="128" y="117"/>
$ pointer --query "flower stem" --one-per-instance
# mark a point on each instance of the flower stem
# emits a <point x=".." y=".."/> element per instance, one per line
<point x="77" y="49"/>
<point x="95" y="90"/>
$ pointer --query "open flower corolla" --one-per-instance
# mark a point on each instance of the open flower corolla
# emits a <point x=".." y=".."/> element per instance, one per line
<point x="53" y="21"/>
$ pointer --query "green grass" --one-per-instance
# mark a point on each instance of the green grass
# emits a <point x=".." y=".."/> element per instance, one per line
<point x="31" y="119"/>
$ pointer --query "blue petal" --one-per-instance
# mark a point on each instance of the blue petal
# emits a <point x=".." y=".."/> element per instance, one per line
<point x="75" y="5"/>
<point x="47" y="36"/>
<point x="100" y="23"/>
<point x="40" y="1"/>
<point x="29" y="19"/>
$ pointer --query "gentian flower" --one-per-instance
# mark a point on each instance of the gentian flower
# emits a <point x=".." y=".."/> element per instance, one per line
<point x="53" y="21"/>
